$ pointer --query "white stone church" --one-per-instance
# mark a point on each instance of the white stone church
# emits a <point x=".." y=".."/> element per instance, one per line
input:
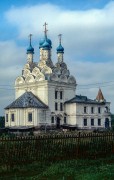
<point x="45" y="94"/>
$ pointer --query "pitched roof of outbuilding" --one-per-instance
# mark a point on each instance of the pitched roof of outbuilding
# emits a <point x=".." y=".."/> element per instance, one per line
<point x="83" y="99"/>
<point x="27" y="100"/>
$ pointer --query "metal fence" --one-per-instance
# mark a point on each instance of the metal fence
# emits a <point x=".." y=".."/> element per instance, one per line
<point x="20" y="151"/>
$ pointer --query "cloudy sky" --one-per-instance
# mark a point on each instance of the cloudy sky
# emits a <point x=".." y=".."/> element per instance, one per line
<point x="87" y="27"/>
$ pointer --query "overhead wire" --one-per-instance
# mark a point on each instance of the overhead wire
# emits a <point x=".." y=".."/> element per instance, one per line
<point x="96" y="83"/>
<point x="79" y="86"/>
<point x="95" y="86"/>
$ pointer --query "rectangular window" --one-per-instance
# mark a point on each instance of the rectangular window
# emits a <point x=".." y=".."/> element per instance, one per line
<point x="56" y="106"/>
<point x="92" y="110"/>
<point x="56" y="92"/>
<point x="52" y="119"/>
<point x="85" y="109"/>
<point x="99" y="110"/>
<point x="30" y="117"/>
<point x="12" y="117"/>
<point x="99" y="122"/>
<point x="61" y="95"/>
<point x="92" y="122"/>
<point x="64" y="120"/>
<point x="85" y="122"/>
<point x="61" y="106"/>
<point x="6" y="117"/>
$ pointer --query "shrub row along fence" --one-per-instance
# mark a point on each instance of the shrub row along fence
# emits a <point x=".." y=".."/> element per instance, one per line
<point x="52" y="148"/>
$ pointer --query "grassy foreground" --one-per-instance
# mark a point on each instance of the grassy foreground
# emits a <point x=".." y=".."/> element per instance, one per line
<point x="101" y="169"/>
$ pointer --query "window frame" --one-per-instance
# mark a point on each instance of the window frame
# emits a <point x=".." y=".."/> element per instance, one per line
<point x="12" y="117"/>
<point x="61" y="106"/>
<point x="99" y="110"/>
<point x="92" y="122"/>
<point x="61" y="94"/>
<point x="56" y="94"/>
<point x="30" y="119"/>
<point x="52" y="120"/>
<point x="92" y="110"/>
<point x="56" y="106"/>
<point x="99" y="120"/>
<point x="65" y="120"/>
<point x="85" y="109"/>
<point x="85" y="121"/>
<point x="7" y="117"/>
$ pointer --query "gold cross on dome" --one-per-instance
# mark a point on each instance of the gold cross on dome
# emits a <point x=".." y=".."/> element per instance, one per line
<point x="30" y="37"/>
<point x="60" y="36"/>
<point x="45" y="28"/>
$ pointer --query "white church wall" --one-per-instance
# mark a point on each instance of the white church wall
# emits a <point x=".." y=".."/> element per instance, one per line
<point x="42" y="93"/>
<point x="9" y="113"/>
<point x="19" y="91"/>
<point x="51" y="96"/>
<point x="70" y="110"/>
<point x="21" y="117"/>
<point x="39" y="89"/>
<point x="76" y="115"/>
<point x="67" y="93"/>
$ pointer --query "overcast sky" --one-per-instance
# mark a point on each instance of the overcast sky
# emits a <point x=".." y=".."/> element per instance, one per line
<point x="87" y="28"/>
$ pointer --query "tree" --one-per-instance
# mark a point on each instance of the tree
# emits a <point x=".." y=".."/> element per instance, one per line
<point x="2" y="121"/>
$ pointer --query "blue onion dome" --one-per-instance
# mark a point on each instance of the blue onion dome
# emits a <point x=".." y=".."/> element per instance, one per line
<point x="46" y="45"/>
<point x="60" y="49"/>
<point x="43" y="40"/>
<point x="30" y="49"/>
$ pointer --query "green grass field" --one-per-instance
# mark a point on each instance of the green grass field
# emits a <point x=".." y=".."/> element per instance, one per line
<point x="64" y="157"/>
<point x="101" y="169"/>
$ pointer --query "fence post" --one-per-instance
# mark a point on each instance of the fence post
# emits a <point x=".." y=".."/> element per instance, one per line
<point x="78" y="145"/>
